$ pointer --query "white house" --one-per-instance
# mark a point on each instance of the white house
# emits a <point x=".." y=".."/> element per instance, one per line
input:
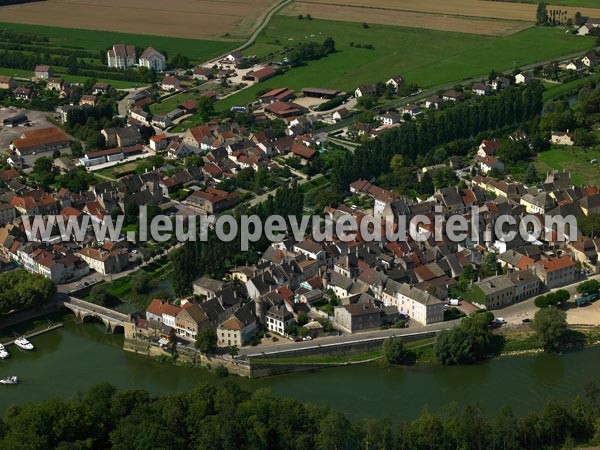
<point x="396" y="82"/>
<point x="389" y="118"/>
<point x="562" y="138"/>
<point x="487" y="163"/>
<point x="523" y="77"/>
<point x="234" y="57"/>
<point x="170" y="83"/>
<point x="153" y="59"/>
<point x="481" y="89"/>
<point x="417" y="304"/>
<point x="367" y="89"/>
<point x="411" y="110"/>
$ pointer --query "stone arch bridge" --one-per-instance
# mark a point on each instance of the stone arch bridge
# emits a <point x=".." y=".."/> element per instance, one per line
<point x="113" y="320"/>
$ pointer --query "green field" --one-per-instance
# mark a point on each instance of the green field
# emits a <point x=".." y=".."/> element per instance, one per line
<point x="574" y="160"/>
<point x="195" y="49"/>
<point x="426" y="57"/>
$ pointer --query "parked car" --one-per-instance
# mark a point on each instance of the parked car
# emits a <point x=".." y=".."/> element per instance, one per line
<point x="526" y="320"/>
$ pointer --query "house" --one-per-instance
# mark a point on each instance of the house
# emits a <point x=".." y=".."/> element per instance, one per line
<point x="523" y="77"/>
<point x="414" y="302"/>
<point x="452" y="95"/>
<point x="488" y="148"/>
<point x="55" y="84"/>
<point x="527" y="284"/>
<point x="261" y="75"/>
<point x="103" y="261"/>
<point x="481" y="89"/>
<point x="500" y="83"/>
<point x="562" y="138"/>
<point x="357" y="317"/>
<point x="489" y="163"/>
<point x="202" y="73"/>
<point x="493" y="292"/>
<point x="208" y="287"/>
<point x="277" y="95"/>
<point x="190" y="320"/>
<point x="555" y="272"/>
<point x="340" y="114"/>
<point x="88" y="100"/>
<point x="153" y="59"/>
<point x="590" y="59"/>
<point x="163" y="312"/>
<point x="234" y="57"/>
<point x="23" y="93"/>
<point x="396" y="82"/>
<point x="170" y="83"/>
<point x="42" y="140"/>
<point x="303" y="151"/>
<point x="212" y="201"/>
<point x="121" y="137"/>
<point x="159" y="142"/>
<point x="43" y="72"/>
<point x="411" y="110"/>
<point x="576" y="65"/>
<point x="433" y="102"/>
<point x="239" y="329"/>
<point x="540" y="203"/>
<point x="365" y="90"/>
<point x="8" y="83"/>
<point x="279" y="319"/>
<point x="389" y="118"/>
<point x="121" y="56"/>
<point x="101" y="88"/>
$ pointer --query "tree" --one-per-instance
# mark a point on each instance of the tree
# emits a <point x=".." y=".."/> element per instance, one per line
<point x="588" y="287"/>
<point x="550" y="326"/>
<point x="393" y="351"/>
<point x="100" y="296"/>
<point x="466" y="343"/>
<point x="232" y="350"/>
<point x="541" y="15"/>
<point x="206" y="341"/>
<point x="302" y="319"/>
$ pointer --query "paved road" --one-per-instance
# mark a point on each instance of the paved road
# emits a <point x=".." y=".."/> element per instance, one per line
<point x="123" y="105"/>
<point x="100" y="311"/>
<point x="286" y="345"/>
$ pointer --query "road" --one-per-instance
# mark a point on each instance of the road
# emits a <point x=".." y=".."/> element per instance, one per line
<point x="263" y="23"/>
<point x="513" y="314"/>
<point x="123" y="105"/>
<point x="286" y="345"/>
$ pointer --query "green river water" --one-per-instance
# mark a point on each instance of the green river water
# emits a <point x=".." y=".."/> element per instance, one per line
<point x="71" y="359"/>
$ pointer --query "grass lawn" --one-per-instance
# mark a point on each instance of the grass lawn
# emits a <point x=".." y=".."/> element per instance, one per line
<point x="426" y="57"/>
<point x="172" y="102"/>
<point x="195" y="49"/>
<point x="574" y="160"/>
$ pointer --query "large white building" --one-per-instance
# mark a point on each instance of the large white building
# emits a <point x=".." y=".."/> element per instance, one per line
<point x="153" y="59"/>
<point x="417" y="304"/>
<point x="121" y="56"/>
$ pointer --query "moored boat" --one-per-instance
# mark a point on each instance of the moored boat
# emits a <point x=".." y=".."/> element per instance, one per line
<point x="9" y="380"/>
<point x="23" y="343"/>
<point x="3" y="352"/>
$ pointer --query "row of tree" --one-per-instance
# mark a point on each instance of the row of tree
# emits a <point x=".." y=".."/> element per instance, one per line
<point x="511" y="107"/>
<point x="225" y="417"/>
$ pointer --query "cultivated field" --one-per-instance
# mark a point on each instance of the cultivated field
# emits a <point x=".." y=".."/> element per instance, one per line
<point x="426" y="57"/>
<point x="197" y="19"/>
<point x="443" y="22"/>
<point x="469" y="16"/>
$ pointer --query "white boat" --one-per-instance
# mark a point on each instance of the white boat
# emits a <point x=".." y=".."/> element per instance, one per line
<point x="24" y="344"/>
<point x="9" y="380"/>
<point x="3" y="352"/>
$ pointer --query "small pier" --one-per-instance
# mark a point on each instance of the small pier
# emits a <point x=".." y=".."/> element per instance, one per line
<point x="51" y="327"/>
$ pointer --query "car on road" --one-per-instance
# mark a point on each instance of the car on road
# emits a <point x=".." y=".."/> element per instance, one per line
<point x="526" y="320"/>
<point x="500" y="320"/>
<point x="297" y="339"/>
<point x="307" y="338"/>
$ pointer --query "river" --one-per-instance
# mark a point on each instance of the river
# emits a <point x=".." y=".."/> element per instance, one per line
<point x="73" y="358"/>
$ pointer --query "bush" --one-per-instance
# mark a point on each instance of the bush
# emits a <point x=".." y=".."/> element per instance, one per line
<point x="394" y="351"/>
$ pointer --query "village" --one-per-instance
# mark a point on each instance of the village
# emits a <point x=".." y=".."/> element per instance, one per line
<point x="298" y="290"/>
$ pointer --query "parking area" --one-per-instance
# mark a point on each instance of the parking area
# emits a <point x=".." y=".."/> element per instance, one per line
<point x="37" y="119"/>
